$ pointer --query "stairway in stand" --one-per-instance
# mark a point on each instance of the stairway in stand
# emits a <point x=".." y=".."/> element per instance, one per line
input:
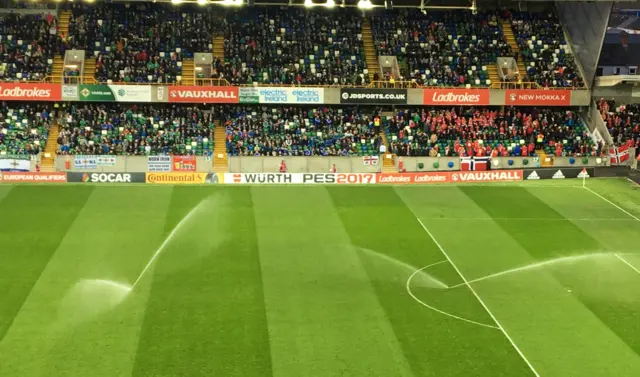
<point x="47" y="160"/>
<point x="493" y="76"/>
<point x="389" y="163"/>
<point x="507" y="29"/>
<point x="220" y="158"/>
<point x="58" y="60"/>
<point x="370" y="53"/>
<point x="546" y="161"/>
<point x="218" y="47"/>
<point x="89" y="68"/>
<point x="188" y="72"/>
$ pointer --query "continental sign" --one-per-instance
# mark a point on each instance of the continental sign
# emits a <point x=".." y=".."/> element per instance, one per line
<point x="30" y="92"/>
<point x="203" y="94"/>
<point x="181" y="178"/>
<point x="539" y="97"/>
<point x="463" y="97"/>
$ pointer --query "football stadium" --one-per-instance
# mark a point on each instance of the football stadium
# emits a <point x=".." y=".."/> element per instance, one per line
<point x="322" y="188"/>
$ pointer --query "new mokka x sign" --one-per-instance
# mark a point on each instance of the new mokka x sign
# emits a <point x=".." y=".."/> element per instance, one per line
<point x="203" y="94"/>
<point x="540" y="97"/>
<point x="373" y="96"/>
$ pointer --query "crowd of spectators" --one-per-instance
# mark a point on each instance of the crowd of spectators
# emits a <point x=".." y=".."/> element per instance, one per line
<point x="488" y="131"/>
<point x="623" y="122"/>
<point x="441" y="48"/>
<point x="27" y="46"/>
<point x="301" y="131"/>
<point x="293" y="46"/>
<point x="141" y="42"/>
<point x="136" y="130"/>
<point x="544" y="50"/>
<point x="24" y="128"/>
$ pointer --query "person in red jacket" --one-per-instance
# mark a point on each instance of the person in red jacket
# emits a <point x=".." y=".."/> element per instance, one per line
<point x="283" y="167"/>
<point x="334" y="169"/>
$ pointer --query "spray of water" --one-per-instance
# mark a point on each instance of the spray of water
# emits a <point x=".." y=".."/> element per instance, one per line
<point x="419" y="276"/>
<point x="534" y="266"/>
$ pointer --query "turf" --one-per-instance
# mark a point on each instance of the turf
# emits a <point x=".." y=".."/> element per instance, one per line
<point x="312" y="281"/>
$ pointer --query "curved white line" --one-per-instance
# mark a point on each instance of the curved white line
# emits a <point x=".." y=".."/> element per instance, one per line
<point x="408" y="286"/>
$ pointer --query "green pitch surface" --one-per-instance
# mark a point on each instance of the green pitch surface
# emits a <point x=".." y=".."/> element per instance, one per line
<point x="539" y="278"/>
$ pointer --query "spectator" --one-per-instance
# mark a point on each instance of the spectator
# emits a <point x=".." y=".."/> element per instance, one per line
<point x="24" y="127"/>
<point x="623" y="122"/>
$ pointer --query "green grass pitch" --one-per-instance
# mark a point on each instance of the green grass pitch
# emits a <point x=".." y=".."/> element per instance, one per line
<point x="537" y="278"/>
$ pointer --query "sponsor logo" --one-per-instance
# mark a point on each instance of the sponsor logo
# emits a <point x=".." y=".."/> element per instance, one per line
<point x="17" y="91"/>
<point x="417" y="178"/>
<point x="34" y="177"/>
<point x="456" y="97"/>
<point x="376" y="96"/>
<point x="533" y="175"/>
<point x="106" y="177"/>
<point x="352" y="95"/>
<point x="538" y="97"/>
<point x="487" y="176"/>
<point x="204" y="94"/>
<point x="300" y="178"/>
<point x="584" y="174"/>
<point x="558" y="175"/>
<point x="184" y="163"/>
<point x="176" y="178"/>
<point x="339" y="178"/>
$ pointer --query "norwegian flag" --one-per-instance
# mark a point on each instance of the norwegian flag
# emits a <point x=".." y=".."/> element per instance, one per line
<point x="474" y="163"/>
<point x="619" y="155"/>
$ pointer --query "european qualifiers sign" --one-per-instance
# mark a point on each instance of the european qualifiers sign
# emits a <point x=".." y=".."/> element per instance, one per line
<point x="368" y="96"/>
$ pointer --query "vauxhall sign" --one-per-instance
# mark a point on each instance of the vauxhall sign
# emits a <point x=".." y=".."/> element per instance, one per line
<point x="203" y="94"/>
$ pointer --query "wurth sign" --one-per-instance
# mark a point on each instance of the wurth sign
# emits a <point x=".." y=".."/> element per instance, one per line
<point x="445" y="97"/>
<point x="203" y="94"/>
<point x="30" y="92"/>
<point x="541" y="97"/>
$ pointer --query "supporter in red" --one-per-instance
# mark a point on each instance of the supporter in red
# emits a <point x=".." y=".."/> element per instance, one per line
<point x="334" y="169"/>
<point x="283" y="167"/>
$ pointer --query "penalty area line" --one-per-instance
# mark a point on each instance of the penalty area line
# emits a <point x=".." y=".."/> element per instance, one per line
<point x="627" y="263"/>
<point x="613" y="204"/>
<point x="480" y="300"/>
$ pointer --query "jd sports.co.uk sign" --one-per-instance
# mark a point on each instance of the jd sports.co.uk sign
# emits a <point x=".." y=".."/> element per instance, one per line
<point x="373" y="96"/>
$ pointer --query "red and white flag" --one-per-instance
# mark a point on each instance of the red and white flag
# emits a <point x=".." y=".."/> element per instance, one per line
<point x="370" y="160"/>
<point x="619" y="155"/>
<point x="474" y="163"/>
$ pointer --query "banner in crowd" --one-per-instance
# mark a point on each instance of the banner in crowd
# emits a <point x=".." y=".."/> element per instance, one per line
<point x="159" y="163"/>
<point x="370" y="96"/>
<point x="463" y="97"/>
<point x="618" y="156"/>
<point x="184" y="163"/>
<point x="474" y="163"/>
<point x="114" y="93"/>
<point x="92" y="162"/>
<point x="370" y="160"/>
<point x="15" y="162"/>
<point x="290" y="95"/>
<point x="178" y="178"/>
<point x="300" y="178"/>
<point x="486" y="176"/>
<point x="203" y="94"/>
<point x="30" y="92"/>
<point x="106" y="177"/>
<point x="248" y="95"/>
<point x="555" y="173"/>
<point x="414" y="178"/>
<point x="537" y="97"/>
<point x="28" y="177"/>
<point x="70" y="92"/>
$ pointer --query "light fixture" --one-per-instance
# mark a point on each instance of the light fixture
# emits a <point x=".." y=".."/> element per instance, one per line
<point x="308" y="3"/>
<point x="202" y="2"/>
<point x="365" y="4"/>
<point x="330" y="3"/>
<point x="176" y="1"/>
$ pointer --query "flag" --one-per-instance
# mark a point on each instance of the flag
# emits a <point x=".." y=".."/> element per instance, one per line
<point x="474" y="163"/>
<point x="619" y="155"/>
<point x="15" y="163"/>
<point x="370" y="160"/>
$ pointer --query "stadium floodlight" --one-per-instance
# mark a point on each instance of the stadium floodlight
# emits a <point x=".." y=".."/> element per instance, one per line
<point x="308" y="3"/>
<point x="203" y="2"/>
<point x="176" y="1"/>
<point x="330" y="3"/>
<point x="365" y="4"/>
<point x="232" y="2"/>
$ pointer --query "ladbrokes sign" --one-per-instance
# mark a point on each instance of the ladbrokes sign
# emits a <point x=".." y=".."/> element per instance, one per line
<point x="30" y="92"/>
<point x="415" y="178"/>
<point x="541" y="97"/>
<point x="203" y="94"/>
<point x="468" y="97"/>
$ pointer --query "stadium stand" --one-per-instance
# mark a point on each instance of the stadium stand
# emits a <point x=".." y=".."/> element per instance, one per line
<point x="545" y="51"/>
<point x="141" y="42"/>
<point x="441" y="48"/>
<point x="293" y="46"/>
<point x="623" y="122"/>
<point x="144" y="130"/>
<point x="488" y="131"/>
<point x="24" y="128"/>
<point x="300" y="131"/>
<point x="27" y="45"/>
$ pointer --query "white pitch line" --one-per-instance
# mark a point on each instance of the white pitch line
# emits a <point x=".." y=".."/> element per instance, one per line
<point x="408" y="287"/>
<point x="480" y="300"/>
<point x="524" y="219"/>
<point x="627" y="263"/>
<point x="613" y="204"/>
